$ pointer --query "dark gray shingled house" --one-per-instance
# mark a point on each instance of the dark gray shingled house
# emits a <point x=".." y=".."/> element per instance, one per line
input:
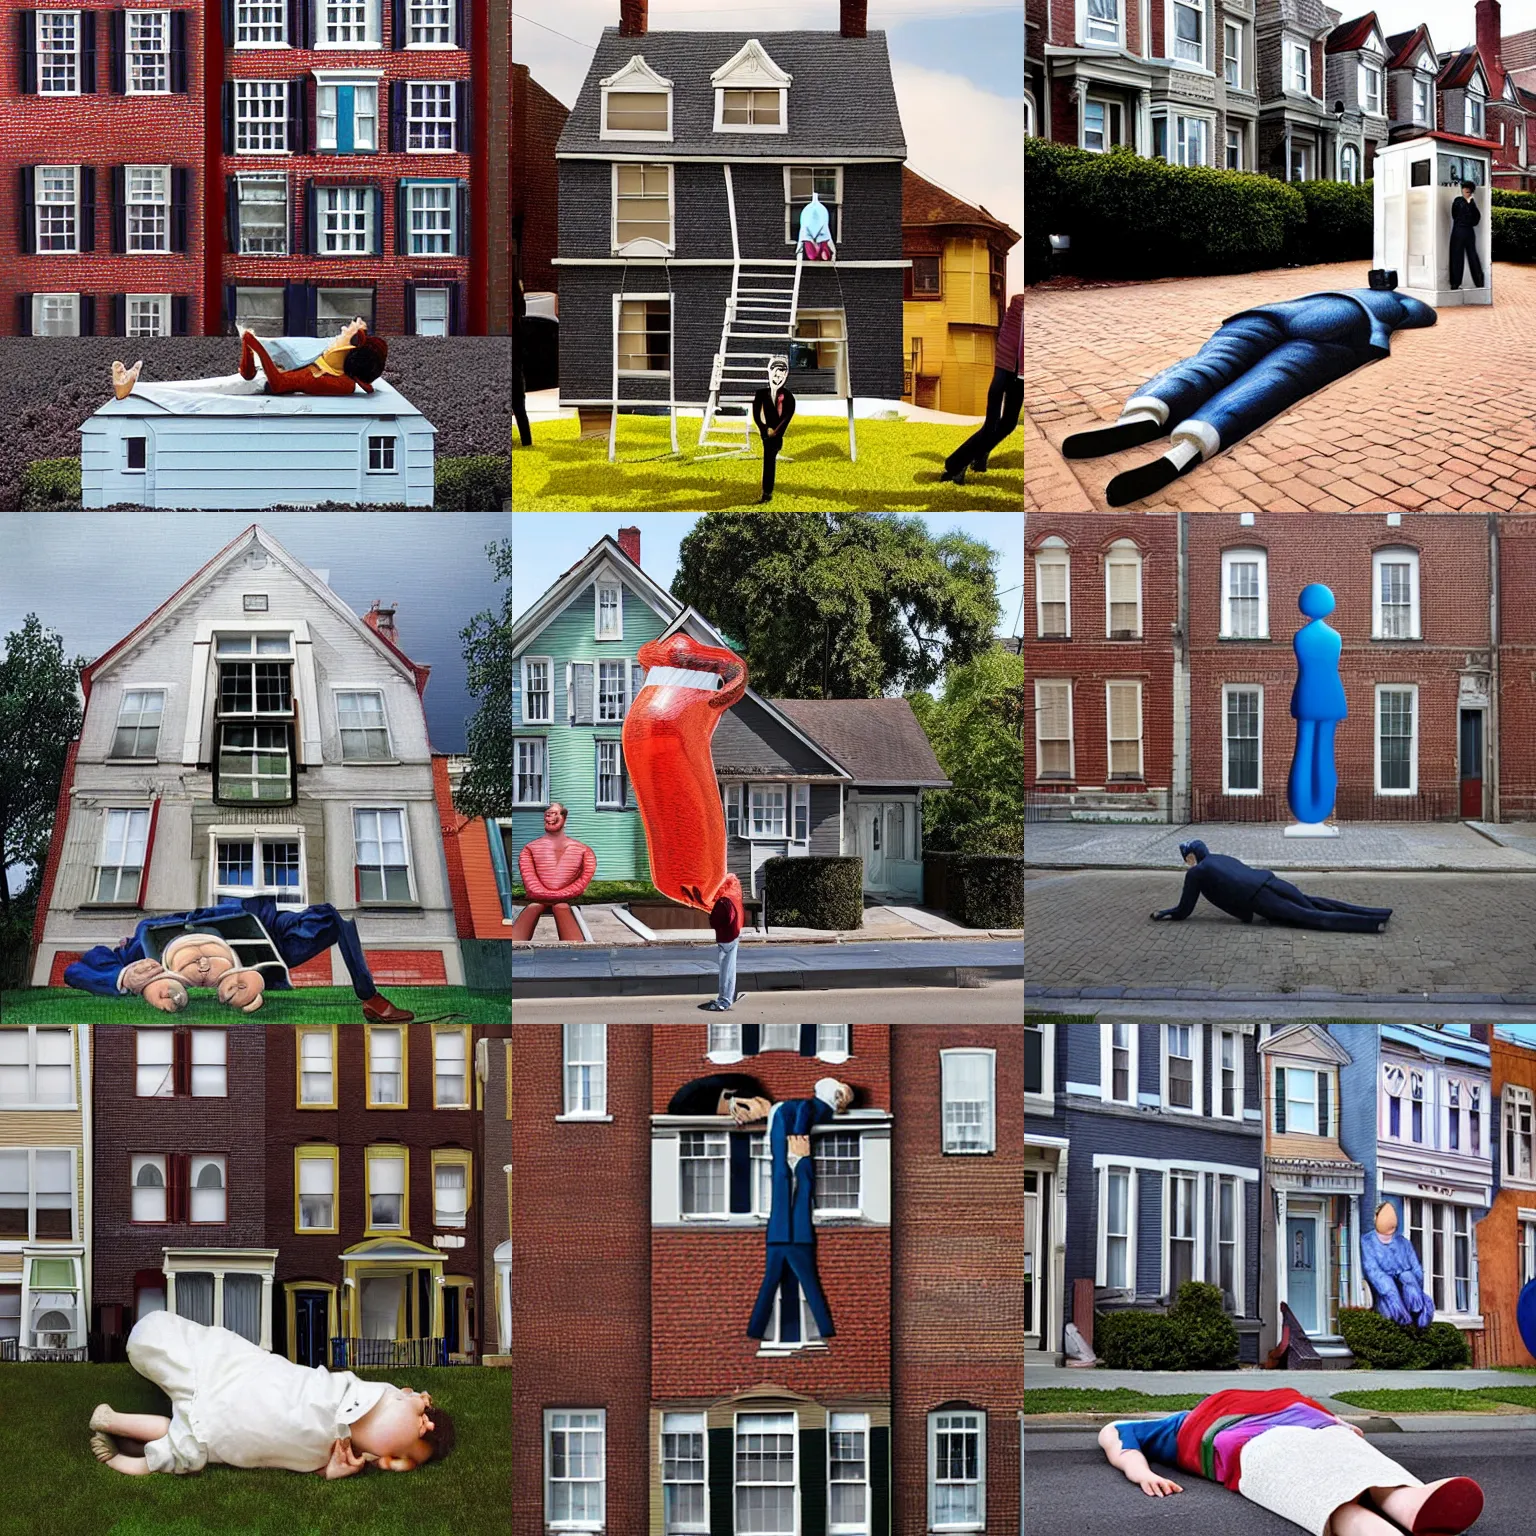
<point x="684" y="166"/>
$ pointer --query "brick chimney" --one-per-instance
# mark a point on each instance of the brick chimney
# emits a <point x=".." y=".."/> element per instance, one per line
<point x="629" y="542"/>
<point x="1489" y="27"/>
<point x="855" y="18"/>
<point x="633" y="17"/>
<point x="382" y="619"/>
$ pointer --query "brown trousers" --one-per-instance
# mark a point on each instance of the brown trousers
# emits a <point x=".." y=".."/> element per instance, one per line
<point x="565" y="921"/>
<point x="289" y="381"/>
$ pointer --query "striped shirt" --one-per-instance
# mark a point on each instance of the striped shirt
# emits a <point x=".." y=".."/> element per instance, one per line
<point x="1010" y="337"/>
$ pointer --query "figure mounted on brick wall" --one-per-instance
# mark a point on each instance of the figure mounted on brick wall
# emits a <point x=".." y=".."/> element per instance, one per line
<point x="555" y="870"/>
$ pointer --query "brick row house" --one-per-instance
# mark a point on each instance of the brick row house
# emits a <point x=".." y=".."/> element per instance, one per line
<point x="644" y="1406"/>
<point x="1439" y="643"/>
<point x="298" y="163"/>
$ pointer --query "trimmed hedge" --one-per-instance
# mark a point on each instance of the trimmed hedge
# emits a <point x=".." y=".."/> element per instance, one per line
<point x="815" y="892"/>
<point x="480" y="483"/>
<point x="1340" y="222"/>
<point x="1194" y="1334"/>
<point x="1378" y="1342"/>
<point x="48" y="483"/>
<point x="1514" y="232"/>
<point x="1047" y="206"/>
<point x="978" y="890"/>
<point x="1526" y="201"/>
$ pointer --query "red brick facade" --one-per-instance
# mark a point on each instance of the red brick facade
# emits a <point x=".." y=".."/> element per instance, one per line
<point x="1500" y="1234"/>
<point x="537" y="120"/>
<point x="1516" y="732"/>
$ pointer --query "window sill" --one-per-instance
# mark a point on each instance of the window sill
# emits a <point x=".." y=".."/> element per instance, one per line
<point x="580" y="1119"/>
<point x="131" y="762"/>
<point x="389" y="906"/>
<point x="109" y="906"/>
<point x="787" y="1351"/>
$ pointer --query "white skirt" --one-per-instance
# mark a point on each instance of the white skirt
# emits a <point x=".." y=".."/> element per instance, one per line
<point x="1303" y="1475"/>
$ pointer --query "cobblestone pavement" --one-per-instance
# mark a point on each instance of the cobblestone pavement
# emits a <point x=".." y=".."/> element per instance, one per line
<point x="1432" y="845"/>
<point x="1462" y="934"/>
<point x="1434" y="427"/>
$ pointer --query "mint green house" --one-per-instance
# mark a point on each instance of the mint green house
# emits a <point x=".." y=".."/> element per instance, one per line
<point x="797" y="776"/>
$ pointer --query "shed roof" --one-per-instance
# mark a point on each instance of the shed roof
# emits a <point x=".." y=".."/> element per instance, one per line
<point x="877" y="740"/>
<point x="152" y="399"/>
<point x="842" y="101"/>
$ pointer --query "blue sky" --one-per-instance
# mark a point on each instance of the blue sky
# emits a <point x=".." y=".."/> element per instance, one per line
<point x="544" y="544"/>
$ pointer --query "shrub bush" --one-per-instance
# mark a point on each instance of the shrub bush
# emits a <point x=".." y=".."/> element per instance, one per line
<point x="605" y="890"/>
<point x="987" y="891"/>
<point x="1195" y="1334"/>
<point x="480" y="483"/>
<point x="814" y="892"/>
<point x="1378" y="1342"/>
<point x="1514" y="233"/>
<point x="49" y="483"/>
<point x="1522" y="200"/>
<point x="1340" y="222"/>
<point x="1046" y="205"/>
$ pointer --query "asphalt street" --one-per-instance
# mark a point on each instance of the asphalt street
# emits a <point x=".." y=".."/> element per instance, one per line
<point x="1469" y="935"/>
<point x="1075" y="1492"/>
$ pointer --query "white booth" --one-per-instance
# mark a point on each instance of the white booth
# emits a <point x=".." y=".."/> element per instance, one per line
<point x="1417" y="181"/>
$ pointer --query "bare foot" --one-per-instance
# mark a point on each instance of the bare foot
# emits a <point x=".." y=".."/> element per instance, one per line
<point x="130" y="1466"/>
<point x="123" y="379"/>
<point x="103" y="1447"/>
<point x="102" y="1415"/>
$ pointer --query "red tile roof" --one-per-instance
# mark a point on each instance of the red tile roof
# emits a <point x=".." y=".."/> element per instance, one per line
<point x="1403" y="47"/>
<point x="1456" y="68"/>
<point x="923" y="202"/>
<point x="1349" y="35"/>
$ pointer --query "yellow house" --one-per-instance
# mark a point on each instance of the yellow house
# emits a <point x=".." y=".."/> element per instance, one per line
<point x="45" y="1216"/>
<point x="955" y="296"/>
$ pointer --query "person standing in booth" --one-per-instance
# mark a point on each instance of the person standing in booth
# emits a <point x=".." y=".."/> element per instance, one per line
<point x="1465" y="217"/>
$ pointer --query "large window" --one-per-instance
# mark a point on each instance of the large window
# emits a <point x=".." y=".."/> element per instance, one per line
<point x="1053" y="729"/>
<point x="450" y="1187"/>
<point x="538" y="690"/>
<point x="1370" y="88"/>
<point x="386" y="1066"/>
<point x="1421" y="112"/>
<point x="645" y="336"/>
<point x="58" y="208"/>
<point x="1242" y="742"/>
<point x="37" y="1194"/>
<point x="1181" y="1197"/>
<point x="36" y="1068"/>
<point x="316" y="1066"/>
<point x="1395" y="587"/>
<point x="315" y="1178"/>
<point x="1349" y="165"/>
<point x="957" y="1489"/>
<point x="1444" y="1238"/>
<point x="639" y="112"/>
<point x="383" y="855"/>
<point x="345" y="225"/>
<point x="429" y="24"/>
<point x="747" y="108"/>
<point x="766" y="1468"/>
<point x="1122" y="591"/>
<point x="838" y="1173"/>
<point x="1101" y="123"/>
<point x="1229" y="1250"/>
<point x="1474" y="127"/>
<point x="364" y="729"/>
<point x="1117" y="1248"/>
<point x="1298" y="67"/>
<point x="642" y="206"/>
<point x="1053" y="596"/>
<point x="827" y="183"/>
<point x="1519" y="1148"/>
<point x="149" y="1200"/>
<point x="261" y="117"/>
<point x="1227" y="1086"/>
<point x="684" y="1491"/>
<point x="386" y="1170"/>
<point x="254" y="715"/>
<point x="610" y="776"/>
<point x="1189" y="31"/>
<point x="704" y="1175"/>
<point x="450" y="1066"/>
<point x="1303" y="1102"/>
<point x="207" y="1186"/>
<point x="431" y="218"/>
<point x="586" y="1070"/>
<point x="1397" y="738"/>
<point x="848" y="1511"/>
<point x="969" y="1100"/>
<point x="58" y="53"/>
<point x="1232" y="57"/>
<point x="124" y="848"/>
<point x="1122" y="711"/>
<point x="612" y="683"/>
<point x="260" y="23"/>
<point x="1118" y="1082"/>
<point x="347" y="24"/>
<point x="1181" y="1067"/>
<point x="430" y="116"/>
<point x="766" y="804"/>
<point x="262" y="864"/>
<point x="1102" y="22"/>
<point x="575" y="1478"/>
<point x="528" y="775"/>
<point x="148" y="197"/>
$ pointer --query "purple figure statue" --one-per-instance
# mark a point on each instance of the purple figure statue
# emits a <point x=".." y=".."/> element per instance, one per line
<point x="1317" y="706"/>
<point x="1392" y="1267"/>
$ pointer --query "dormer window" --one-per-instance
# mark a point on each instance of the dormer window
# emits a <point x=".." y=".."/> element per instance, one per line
<point x="1474" y="112"/>
<point x="751" y="93"/>
<point x="1421" y="103"/>
<point x="637" y="103"/>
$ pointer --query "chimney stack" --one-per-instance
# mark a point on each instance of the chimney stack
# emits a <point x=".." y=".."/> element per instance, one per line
<point x="1489" y="27"/>
<point x="633" y="17"/>
<point x="629" y="542"/>
<point x="382" y="619"/>
<point x="855" y="18"/>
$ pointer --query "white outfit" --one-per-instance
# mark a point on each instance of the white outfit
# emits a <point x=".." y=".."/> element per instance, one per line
<point x="1304" y="1475"/>
<point x="240" y="1405"/>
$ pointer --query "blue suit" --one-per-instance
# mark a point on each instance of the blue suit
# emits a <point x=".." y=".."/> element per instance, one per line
<point x="1243" y="892"/>
<point x="295" y="937"/>
<point x="791" y="1248"/>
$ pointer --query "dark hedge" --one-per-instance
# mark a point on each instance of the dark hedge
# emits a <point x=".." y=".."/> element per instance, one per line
<point x="1340" y="222"/>
<point x="480" y="483"/>
<point x="50" y="483"/>
<point x="1196" y="1334"/>
<point x="49" y="385"/>
<point x="978" y="890"/>
<point x="1525" y="201"/>
<point x="1383" y="1345"/>
<point x="815" y="892"/>
<point x="1514" y="233"/>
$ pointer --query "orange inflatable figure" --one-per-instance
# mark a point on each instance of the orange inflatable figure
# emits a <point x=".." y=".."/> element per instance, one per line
<point x="555" y="869"/>
<point x="666" y="752"/>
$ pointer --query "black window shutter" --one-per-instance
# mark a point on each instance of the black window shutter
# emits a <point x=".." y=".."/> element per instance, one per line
<point x="397" y="34"/>
<point x="378" y="220"/>
<point x="181" y="315"/>
<point x="311" y="226"/>
<point x="722" y="1486"/>
<point x="181" y="198"/>
<point x="1324" y="1110"/>
<point x="397" y="126"/>
<point x="461" y="234"/>
<point x="232" y="215"/>
<point x="880" y="1481"/>
<point x="402" y="220"/>
<point x="87" y="207"/>
<point x="227" y="12"/>
<point x="23" y="314"/>
<point x="119" y="209"/>
<point x="741" y="1173"/>
<point x="117" y="67"/>
<point x="298" y="23"/>
<point x="26" y="51"/>
<point x="751" y="1039"/>
<point x="293" y="308"/>
<point x="456" y="325"/>
<point x="87" y="53"/>
<point x="1280" y="1101"/>
<point x="461" y="141"/>
<point x="813" y="1482"/>
<point x="410" y="307"/>
<point x="848" y="1037"/>
<point x="87" y="314"/>
<point x="298" y="117"/>
<point x="231" y="308"/>
<point x="460" y="24"/>
<point x="26" y="227"/>
<point x="807" y="1039"/>
<point x="119" y="314"/>
<point x="179" y="84"/>
<point x="229" y="117"/>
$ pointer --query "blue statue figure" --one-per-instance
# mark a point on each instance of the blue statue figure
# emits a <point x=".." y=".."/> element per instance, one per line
<point x="1394" y="1272"/>
<point x="1525" y="1316"/>
<point x="1317" y="706"/>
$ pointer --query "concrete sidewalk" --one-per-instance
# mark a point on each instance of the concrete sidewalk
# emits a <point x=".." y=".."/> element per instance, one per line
<point x="1158" y="1383"/>
<point x="1467" y="847"/>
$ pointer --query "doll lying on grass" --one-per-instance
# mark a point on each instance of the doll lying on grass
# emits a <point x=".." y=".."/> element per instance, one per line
<point x="237" y="1405"/>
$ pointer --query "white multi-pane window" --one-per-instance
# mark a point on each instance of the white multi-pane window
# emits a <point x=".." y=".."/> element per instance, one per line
<point x="957" y="1499"/>
<point x="317" y="1190"/>
<point x="1120" y="1084"/>
<point x="263" y="216"/>
<point x="766" y="1483"/>
<point x="346" y="220"/>
<point x="450" y="1068"/>
<point x="149" y="52"/>
<point x="1102" y="23"/>
<point x="1227" y="1090"/>
<point x="36" y="1068"/>
<point x="642" y="204"/>
<point x="383" y="859"/>
<point x="1232" y="58"/>
<point x="210" y="1064"/>
<point x="261" y="117"/>
<point x="450" y="1193"/>
<point x="1527" y="1248"/>
<point x="684" y="1491"/>
<point x="259" y="865"/>
<point x="1370" y="89"/>
<point x="58" y="208"/>
<point x="1123" y="716"/>
<point x="704" y="1176"/>
<point x="1421" y="112"/>
<point x="1303" y="1102"/>
<point x="1179" y="1207"/>
<point x="1122" y="591"/>
<point x="1519" y="1143"/>
<point x="766" y="803"/>
<point x="154" y="1064"/>
<point x="149" y="207"/>
<point x="1397" y="738"/>
<point x="346" y="23"/>
<point x="1244" y="594"/>
<point x="56" y="314"/>
<point x="147" y="314"/>
<point x="1118" y="1251"/>
<point x="575" y="1476"/>
<point x="364" y="730"/>
<point x="528" y="775"/>
<point x="429" y="116"/>
<point x="610" y="775"/>
<point x="1053" y="729"/>
<point x="317" y="1068"/>
<point x="1229" y="1216"/>
<point x="538" y="694"/>
<point x="1242" y="742"/>
<point x="1053" y="588"/>
<point x="969" y="1098"/>
<point x="1181" y="1067"/>
<point x="146" y="1172"/>
<point x="138" y="723"/>
<point x="612" y="685"/>
<point x="260" y="23"/>
<point x="206" y="1180"/>
<point x="386" y="1190"/>
<point x="838" y="1173"/>
<point x="586" y="1069"/>
<point x="1298" y="67"/>
<point x="386" y="1060"/>
<point x="58" y="53"/>
<point x="610" y="611"/>
<point x="1395" y="609"/>
<point x="429" y="24"/>
<point x="760" y="1167"/>
<point x="125" y="840"/>
<point x="1443" y="1236"/>
<point x="1189" y="31"/>
<point x="848" y="1474"/>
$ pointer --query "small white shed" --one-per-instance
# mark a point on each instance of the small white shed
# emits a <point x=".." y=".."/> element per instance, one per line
<point x="223" y="442"/>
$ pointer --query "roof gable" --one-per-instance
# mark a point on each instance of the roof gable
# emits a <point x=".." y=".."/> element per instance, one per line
<point x="1412" y="50"/>
<point x="1310" y="1042"/>
<point x="1349" y="36"/>
<point x="557" y="597"/>
<point x="925" y="202"/>
<point x="637" y="75"/>
<point x="750" y="66"/>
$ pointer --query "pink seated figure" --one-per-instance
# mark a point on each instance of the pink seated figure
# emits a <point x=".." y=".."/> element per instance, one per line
<point x="815" y="233"/>
<point x="555" y="868"/>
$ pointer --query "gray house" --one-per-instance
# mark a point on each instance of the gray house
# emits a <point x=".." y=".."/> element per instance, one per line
<point x="684" y="167"/>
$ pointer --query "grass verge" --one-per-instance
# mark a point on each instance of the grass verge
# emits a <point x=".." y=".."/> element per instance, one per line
<point x="302" y="1005"/>
<point x="1106" y="1400"/>
<point x="1438" y="1399"/>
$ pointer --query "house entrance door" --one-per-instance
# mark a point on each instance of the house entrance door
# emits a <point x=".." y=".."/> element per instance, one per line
<point x="383" y="1306"/>
<point x="311" y="1327"/>
<point x="1031" y="1259"/>
<point x="872" y="844"/>
<point x="1302" y="1266"/>
<point x="1472" y="765"/>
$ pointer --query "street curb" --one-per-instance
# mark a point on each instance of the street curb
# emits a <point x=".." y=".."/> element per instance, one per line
<point x="1037" y="992"/>
<point x="1080" y="866"/>
<point x="706" y="983"/>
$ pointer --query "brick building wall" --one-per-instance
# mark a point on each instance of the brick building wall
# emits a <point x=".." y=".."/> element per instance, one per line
<point x="537" y="119"/>
<point x="1499" y="1232"/>
<point x="124" y="1125"/>
<point x="1517" y="668"/>
<point x="495" y="1178"/>
<point x="957" y="1304"/>
<point x="1454" y="622"/>
<point x="1089" y="660"/>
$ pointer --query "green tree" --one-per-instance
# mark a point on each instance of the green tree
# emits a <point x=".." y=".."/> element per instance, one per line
<point x="39" y="717"/>
<point x="486" y="788"/>
<point x="839" y="605"/>
<point x="977" y="732"/>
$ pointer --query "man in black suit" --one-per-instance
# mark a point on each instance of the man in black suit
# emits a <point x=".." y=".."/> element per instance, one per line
<point x="1464" y="221"/>
<point x="773" y="409"/>
<point x="1243" y="892"/>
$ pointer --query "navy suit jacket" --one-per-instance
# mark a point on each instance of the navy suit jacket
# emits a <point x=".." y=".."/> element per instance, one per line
<point x="794" y="1190"/>
<point x="1225" y="882"/>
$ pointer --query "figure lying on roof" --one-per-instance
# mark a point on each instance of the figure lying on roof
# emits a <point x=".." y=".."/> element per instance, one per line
<point x="1261" y="362"/>
<point x="353" y="361"/>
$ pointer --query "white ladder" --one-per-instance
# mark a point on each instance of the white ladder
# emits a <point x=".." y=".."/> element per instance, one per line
<point x="760" y="312"/>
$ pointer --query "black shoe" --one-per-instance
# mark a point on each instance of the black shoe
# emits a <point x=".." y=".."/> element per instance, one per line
<point x="1144" y="480"/>
<point x="1098" y="441"/>
<point x="979" y="466"/>
<point x="956" y="477"/>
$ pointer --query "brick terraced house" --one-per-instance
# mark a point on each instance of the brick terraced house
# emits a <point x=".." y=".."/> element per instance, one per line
<point x="643" y="1405"/>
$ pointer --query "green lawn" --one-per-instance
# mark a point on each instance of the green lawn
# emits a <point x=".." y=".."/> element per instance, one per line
<point x="303" y="1005"/>
<point x="897" y="470"/>
<point x="1439" y="1399"/>
<point x="54" y="1487"/>
<point x="1106" y="1400"/>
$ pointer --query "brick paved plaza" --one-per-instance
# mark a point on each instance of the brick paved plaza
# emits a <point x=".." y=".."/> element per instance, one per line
<point x="1447" y="423"/>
